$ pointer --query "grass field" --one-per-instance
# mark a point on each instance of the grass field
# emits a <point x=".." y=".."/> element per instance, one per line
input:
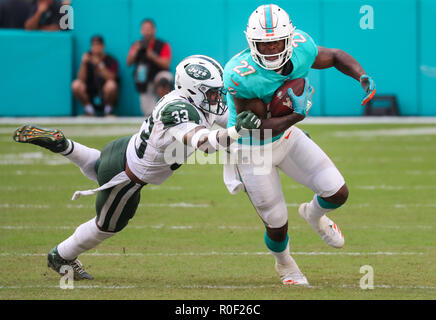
<point x="191" y="239"/>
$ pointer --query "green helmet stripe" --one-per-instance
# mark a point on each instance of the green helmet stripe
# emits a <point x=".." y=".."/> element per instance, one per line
<point x="215" y="64"/>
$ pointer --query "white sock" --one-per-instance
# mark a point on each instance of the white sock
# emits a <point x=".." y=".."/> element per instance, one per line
<point x="83" y="157"/>
<point x="283" y="257"/>
<point x="89" y="109"/>
<point x="86" y="237"/>
<point x="315" y="209"/>
<point x="107" y="109"/>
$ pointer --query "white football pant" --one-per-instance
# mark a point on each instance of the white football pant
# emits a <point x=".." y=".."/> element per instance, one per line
<point x="300" y="159"/>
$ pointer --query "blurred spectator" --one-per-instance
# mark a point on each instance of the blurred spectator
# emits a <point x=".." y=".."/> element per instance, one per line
<point x="150" y="56"/>
<point x="44" y="15"/>
<point x="163" y="83"/>
<point x="97" y="85"/>
<point x="14" y="13"/>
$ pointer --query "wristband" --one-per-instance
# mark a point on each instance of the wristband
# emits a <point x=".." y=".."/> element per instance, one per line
<point x="233" y="133"/>
<point x="197" y="136"/>
<point x="212" y="139"/>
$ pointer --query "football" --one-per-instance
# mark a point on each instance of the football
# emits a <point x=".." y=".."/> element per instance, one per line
<point x="281" y="104"/>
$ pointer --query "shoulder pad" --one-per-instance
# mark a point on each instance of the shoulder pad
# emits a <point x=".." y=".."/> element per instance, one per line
<point x="177" y="112"/>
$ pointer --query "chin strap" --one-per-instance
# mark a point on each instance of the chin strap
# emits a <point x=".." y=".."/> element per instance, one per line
<point x="188" y="96"/>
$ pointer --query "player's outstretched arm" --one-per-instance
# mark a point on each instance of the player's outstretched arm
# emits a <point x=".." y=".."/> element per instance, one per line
<point x="345" y="63"/>
<point x="209" y="141"/>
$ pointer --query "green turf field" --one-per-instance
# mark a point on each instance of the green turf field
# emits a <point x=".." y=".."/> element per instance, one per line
<point x="190" y="239"/>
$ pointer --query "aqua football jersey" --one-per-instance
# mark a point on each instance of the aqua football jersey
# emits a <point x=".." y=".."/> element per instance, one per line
<point x="244" y="78"/>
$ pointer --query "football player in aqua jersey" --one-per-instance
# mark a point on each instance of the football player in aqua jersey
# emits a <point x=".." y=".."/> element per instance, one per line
<point x="278" y="52"/>
<point x="183" y="117"/>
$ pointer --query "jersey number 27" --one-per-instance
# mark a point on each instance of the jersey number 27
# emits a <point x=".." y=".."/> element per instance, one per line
<point x="244" y="65"/>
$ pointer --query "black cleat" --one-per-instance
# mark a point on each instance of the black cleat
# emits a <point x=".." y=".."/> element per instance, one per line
<point x="53" y="140"/>
<point x="55" y="262"/>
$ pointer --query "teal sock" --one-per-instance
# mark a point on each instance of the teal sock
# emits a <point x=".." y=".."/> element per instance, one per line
<point x="318" y="206"/>
<point x="276" y="246"/>
<point x="327" y="205"/>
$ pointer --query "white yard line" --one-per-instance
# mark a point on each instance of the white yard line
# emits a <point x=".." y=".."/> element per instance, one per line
<point x="215" y="253"/>
<point x="175" y="205"/>
<point x="83" y="206"/>
<point x="32" y="158"/>
<point x="24" y="206"/>
<point x="205" y="205"/>
<point x="220" y="227"/>
<point x="216" y="287"/>
<point x="386" y="132"/>
<point x="388" y="187"/>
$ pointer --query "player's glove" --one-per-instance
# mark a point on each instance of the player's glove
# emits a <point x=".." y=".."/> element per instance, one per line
<point x="369" y="86"/>
<point x="303" y="103"/>
<point x="245" y="122"/>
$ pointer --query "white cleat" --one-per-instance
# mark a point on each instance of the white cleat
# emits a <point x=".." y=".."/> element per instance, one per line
<point x="291" y="276"/>
<point x="326" y="228"/>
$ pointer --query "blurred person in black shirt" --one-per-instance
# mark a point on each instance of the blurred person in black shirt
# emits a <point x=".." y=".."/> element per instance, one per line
<point x="14" y="13"/>
<point x="44" y="15"/>
<point x="96" y="86"/>
<point x="150" y="56"/>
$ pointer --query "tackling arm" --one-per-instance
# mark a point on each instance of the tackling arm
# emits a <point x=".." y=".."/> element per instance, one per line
<point x="209" y="141"/>
<point x="206" y="140"/>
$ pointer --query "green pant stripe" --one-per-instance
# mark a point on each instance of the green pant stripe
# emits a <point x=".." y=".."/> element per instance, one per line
<point x="121" y="205"/>
<point x="115" y="203"/>
<point x="109" y="201"/>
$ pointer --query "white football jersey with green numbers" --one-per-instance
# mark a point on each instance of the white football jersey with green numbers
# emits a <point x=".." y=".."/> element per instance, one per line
<point x="157" y="149"/>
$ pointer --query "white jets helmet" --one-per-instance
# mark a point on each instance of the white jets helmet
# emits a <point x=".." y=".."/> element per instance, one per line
<point x="266" y="24"/>
<point x="201" y="80"/>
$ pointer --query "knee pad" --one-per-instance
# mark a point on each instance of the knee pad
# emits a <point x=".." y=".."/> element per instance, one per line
<point x="274" y="213"/>
<point x="328" y="181"/>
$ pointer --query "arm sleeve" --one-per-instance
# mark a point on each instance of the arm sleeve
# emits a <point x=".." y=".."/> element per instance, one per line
<point x="222" y="120"/>
<point x="179" y="131"/>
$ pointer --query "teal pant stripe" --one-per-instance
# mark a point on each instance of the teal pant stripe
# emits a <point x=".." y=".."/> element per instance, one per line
<point x="327" y="205"/>
<point x="274" y="245"/>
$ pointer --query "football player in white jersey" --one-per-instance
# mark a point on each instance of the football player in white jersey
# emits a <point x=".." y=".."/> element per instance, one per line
<point x="184" y="116"/>
<point x="279" y="52"/>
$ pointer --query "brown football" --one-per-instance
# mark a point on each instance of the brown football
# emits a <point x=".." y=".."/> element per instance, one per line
<point x="281" y="104"/>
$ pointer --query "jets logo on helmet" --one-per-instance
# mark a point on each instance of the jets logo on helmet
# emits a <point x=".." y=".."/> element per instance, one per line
<point x="198" y="72"/>
<point x="200" y="78"/>
<point x="266" y="24"/>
